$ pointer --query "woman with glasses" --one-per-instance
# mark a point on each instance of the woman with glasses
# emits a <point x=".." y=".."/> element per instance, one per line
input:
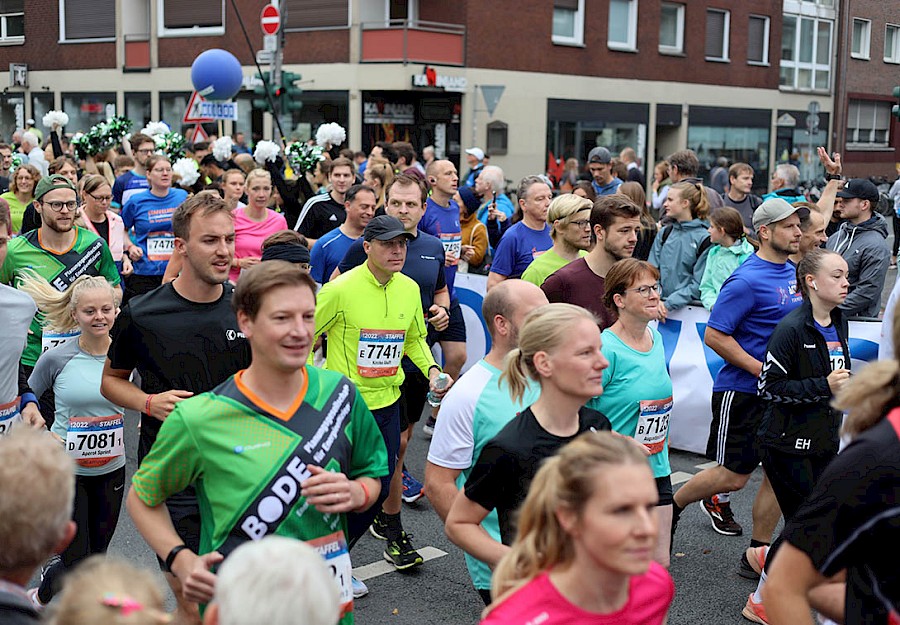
<point x="21" y="193"/>
<point x="637" y="389"/>
<point x="569" y="217"/>
<point x="149" y="213"/>
<point x="96" y="216"/>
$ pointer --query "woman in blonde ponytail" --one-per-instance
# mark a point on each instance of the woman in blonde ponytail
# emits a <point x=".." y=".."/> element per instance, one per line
<point x="559" y="348"/>
<point x="585" y="543"/>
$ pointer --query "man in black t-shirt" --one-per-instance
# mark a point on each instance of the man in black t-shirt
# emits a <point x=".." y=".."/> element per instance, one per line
<point x="183" y="339"/>
<point x="739" y="196"/>
<point x="324" y="212"/>
<point x="850" y="522"/>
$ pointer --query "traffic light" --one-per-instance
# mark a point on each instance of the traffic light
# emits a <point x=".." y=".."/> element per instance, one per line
<point x="291" y="92"/>
<point x="261" y="102"/>
<point x="895" y="110"/>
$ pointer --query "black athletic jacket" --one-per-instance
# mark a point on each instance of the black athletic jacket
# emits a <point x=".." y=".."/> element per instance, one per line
<point x="798" y="417"/>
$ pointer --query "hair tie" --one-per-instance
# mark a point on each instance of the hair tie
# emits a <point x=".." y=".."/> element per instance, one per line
<point x="127" y="606"/>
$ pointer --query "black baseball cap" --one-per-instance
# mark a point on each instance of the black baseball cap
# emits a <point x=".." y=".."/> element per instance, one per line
<point x="859" y="188"/>
<point x="385" y="228"/>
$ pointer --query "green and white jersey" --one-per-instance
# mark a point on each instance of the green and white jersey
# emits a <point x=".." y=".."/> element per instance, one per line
<point x="89" y="255"/>
<point x="248" y="461"/>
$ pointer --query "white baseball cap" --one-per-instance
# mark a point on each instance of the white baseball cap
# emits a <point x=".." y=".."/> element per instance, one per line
<point x="476" y="152"/>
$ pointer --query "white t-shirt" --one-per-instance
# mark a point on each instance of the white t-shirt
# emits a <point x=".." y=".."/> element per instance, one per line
<point x="17" y="309"/>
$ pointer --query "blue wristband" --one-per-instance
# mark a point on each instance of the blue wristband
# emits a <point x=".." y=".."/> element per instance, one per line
<point x="27" y="398"/>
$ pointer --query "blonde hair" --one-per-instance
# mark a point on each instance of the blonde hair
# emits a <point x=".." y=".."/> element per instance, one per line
<point x="695" y="194"/>
<point x="256" y="173"/>
<point x="382" y="170"/>
<point x="57" y="307"/>
<point x="544" y="330"/>
<point x="563" y="207"/>
<point x="565" y="480"/>
<point x="110" y="591"/>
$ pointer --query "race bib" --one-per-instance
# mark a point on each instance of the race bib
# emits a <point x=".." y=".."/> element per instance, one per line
<point x="160" y="245"/>
<point x="380" y="352"/>
<point x="452" y="246"/>
<point x="9" y="416"/>
<point x="51" y="340"/>
<point x="653" y="424"/>
<point x="334" y="549"/>
<point x="836" y="355"/>
<point x="94" y="441"/>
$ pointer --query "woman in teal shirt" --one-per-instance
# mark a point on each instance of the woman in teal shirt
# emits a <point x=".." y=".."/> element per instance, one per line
<point x="637" y="389"/>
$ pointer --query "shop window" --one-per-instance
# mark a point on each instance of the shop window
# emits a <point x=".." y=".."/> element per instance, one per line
<point x="868" y="124"/>
<point x="87" y="20"/>
<point x="497" y="137"/>
<point x="717" y="25"/>
<point x="137" y="109"/>
<point x="622" y="34"/>
<point x="805" y="53"/>
<point x="862" y="34"/>
<point x="892" y="43"/>
<point x="671" y="28"/>
<point x="317" y="14"/>
<point x="758" y="40"/>
<point x="12" y="21"/>
<point x="178" y="18"/>
<point x="41" y="104"/>
<point x="86" y="109"/>
<point x="568" y="22"/>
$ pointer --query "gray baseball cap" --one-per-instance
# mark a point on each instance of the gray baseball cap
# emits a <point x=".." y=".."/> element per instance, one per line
<point x="773" y="210"/>
<point x="599" y="155"/>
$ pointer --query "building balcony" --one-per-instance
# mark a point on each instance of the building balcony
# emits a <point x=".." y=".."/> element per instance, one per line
<point x="400" y="41"/>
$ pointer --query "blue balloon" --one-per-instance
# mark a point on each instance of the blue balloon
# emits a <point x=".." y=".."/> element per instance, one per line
<point x="216" y="74"/>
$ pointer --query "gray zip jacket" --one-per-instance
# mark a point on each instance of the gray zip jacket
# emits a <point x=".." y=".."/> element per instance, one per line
<point x="864" y="246"/>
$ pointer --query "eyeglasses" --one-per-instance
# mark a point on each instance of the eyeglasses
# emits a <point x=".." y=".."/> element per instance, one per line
<point x="57" y="207"/>
<point x="645" y="290"/>
<point x="144" y="151"/>
<point x="103" y="199"/>
<point x="581" y="223"/>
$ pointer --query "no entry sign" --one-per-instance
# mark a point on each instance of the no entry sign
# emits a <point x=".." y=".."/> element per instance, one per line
<point x="270" y="19"/>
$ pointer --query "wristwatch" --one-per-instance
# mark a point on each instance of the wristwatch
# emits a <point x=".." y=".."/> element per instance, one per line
<point x="833" y="177"/>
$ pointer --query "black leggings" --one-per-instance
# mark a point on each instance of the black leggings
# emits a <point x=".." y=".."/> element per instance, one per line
<point x="793" y="478"/>
<point x="98" y="499"/>
<point x="896" y="220"/>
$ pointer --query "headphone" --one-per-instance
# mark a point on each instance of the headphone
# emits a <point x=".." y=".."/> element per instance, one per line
<point x="815" y="286"/>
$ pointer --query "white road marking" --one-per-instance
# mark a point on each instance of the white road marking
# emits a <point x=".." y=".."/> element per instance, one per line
<point x="382" y="567"/>
<point x="707" y="465"/>
<point x="680" y="477"/>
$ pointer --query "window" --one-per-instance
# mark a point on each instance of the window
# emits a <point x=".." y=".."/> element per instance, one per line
<point x="497" y="137"/>
<point x="671" y="28"/>
<point x="568" y="22"/>
<point x="805" y="53"/>
<point x="12" y="21"/>
<point x="87" y="20"/>
<point x="892" y="43"/>
<point x="41" y="104"/>
<point x="868" y="124"/>
<point x="87" y="109"/>
<point x="859" y="46"/>
<point x="717" y="23"/>
<point x="622" y="25"/>
<point x="317" y="14"/>
<point x="758" y="40"/>
<point x="199" y="17"/>
<point x="137" y="108"/>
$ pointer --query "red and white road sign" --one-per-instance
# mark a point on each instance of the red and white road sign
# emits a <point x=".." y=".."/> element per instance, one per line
<point x="192" y="112"/>
<point x="270" y="19"/>
<point x="197" y="134"/>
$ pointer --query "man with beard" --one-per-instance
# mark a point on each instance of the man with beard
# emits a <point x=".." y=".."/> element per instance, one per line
<point x="615" y="223"/>
<point x="135" y="180"/>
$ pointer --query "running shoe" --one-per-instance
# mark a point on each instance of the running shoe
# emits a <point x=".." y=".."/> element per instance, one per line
<point x="754" y="611"/>
<point x="428" y="427"/>
<point x="35" y="601"/>
<point x="752" y="562"/>
<point x="413" y="489"/>
<point x="722" y="517"/>
<point x="401" y="554"/>
<point x="359" y="588"/>
<point x="379" y="528"/>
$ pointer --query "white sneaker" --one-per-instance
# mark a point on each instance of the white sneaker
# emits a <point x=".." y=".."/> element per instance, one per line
<point x="359" y="588"/>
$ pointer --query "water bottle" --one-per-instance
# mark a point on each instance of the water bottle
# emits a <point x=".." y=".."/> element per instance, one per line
<point x="440" y="384"/>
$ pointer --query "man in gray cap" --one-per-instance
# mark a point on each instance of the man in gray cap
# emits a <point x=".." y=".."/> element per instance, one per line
<point x="599" y="164"/>
<point x="751" y="303"/>
<point x="862" y="241"/>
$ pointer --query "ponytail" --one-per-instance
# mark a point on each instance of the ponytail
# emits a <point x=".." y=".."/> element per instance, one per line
<point x="515" y="374"/>
<point x="56" y="307"/>
<point x="695" y="194"/>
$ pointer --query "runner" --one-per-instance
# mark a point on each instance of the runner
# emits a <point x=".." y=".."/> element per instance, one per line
<point x="527" y="239"/>
<point x="149" y="213"/>
<point x="587" y="524"/>
<point x="373" y="316"/>
<point x="253" y="223"/>
<point x="475" y="410"/>
<point x="570" y="223"/>
<point x="559" y="347"/>
<point x="134" y="180"/>
<point x="637" y="389"/>
<point x="90" y="427"/>
<point x="182" y="338"/>
<point x="324" y="212"/>
<point x="280" y="448"/>
<point x="329" y="251"/>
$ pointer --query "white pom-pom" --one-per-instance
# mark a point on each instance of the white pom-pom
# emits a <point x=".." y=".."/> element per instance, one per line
<point x="55" y="118"/>
<point x="222" y="148"/>
<point x="186" y="168"/>
<point x="332" y="134"/>
<point x="155" y="128"/>
<point x="265" y="151"/>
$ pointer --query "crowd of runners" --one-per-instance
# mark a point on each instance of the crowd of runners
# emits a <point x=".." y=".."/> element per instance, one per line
<point x="275" y="329"/>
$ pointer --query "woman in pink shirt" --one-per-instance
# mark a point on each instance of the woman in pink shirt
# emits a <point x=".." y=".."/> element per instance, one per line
<point x="584" y="549"/>
<point x="254" y="222"/>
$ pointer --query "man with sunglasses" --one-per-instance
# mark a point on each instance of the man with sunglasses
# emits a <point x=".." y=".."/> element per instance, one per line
<point x="135" y="180"/>
<point x="59" y="251"/>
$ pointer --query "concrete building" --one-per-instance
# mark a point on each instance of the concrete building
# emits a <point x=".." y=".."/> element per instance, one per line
<point x="656" y="76"/>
